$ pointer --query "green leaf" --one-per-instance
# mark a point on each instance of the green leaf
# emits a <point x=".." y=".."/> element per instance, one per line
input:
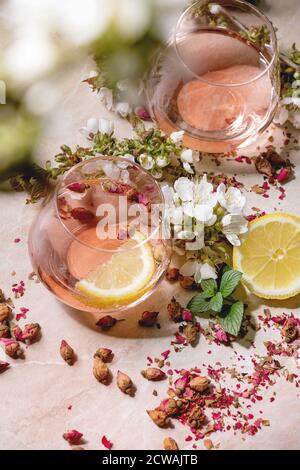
<point x="233" y="320"/>
<point x="229" y="282"/>
<point x="209" y="287"/>
<point x="198" y="304"/>
<point x="216" y="302"/>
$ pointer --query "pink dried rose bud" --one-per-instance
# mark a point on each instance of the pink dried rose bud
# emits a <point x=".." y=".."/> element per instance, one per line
<point x="3" y="366"/>
<point x="152" y="373"/>
<point x="72" y="436"/>
<point x="125" y="383"/>
<point x="175" y="310"/>
<point x="104" y="354"/>
<point x="101" y="371"/>
<point x="12" y="348"/>
<point x="148" y="319"/>
<point x="221" y="335"/>
<point x="16" y="332"/>
<point x="158" y="417"/>
<point x="199" y="384"/>
<point x="106" y="322"/>
<point x="196" y="418"/>
<point x="67" y="353"/>
<point x="191" y="332"/>
<point x="187" y="283"/>
<point x="4" y="311"/>
<point x="4" y="330"/>
<point x="172" y="274"/>
<point x="142" y="113"/>
<point x="77" y="187"/>
<point x="170" y="406"/>
<point x="181" y="384"/>
<point x="170" y="444"/>
<point x="31" y="332"/>
<point x="82" y="215"/>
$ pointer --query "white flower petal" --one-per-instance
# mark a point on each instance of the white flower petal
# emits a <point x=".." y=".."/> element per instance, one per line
<point x="184" y="188"/>
<point x="189" y="268"/>
<point x="208" y="271"/>
<point x="196" y="245"/>
<point x="177" y="137"/>
<point x="168" y="194"/>
<point x="203" y="213"/>
<point x="188" y="168"/>
<point x="187" y="156"/>
<point x="123" y="109"/>
<point x="161" y="162"/>
<point x="233" y="239"/>
<point x="106" y="126"/>
<point x="106" y="97"/>
<point x="176" y="216"/>
<point x="146" y="161"/>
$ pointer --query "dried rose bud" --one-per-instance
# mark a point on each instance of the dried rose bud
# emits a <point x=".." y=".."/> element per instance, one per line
<point x="72" y="436"/>
<point x="170" y="444"/>
<point x="148" y="318"/>
<point x="4" y="311"/>
<point x="172" y="274"/>
<point x="12" y="348"/>
<point x="196" y="418"/>
<point x="16" y="332"/>
<point x="187" y="315"/>
<point x="124" y="383"/>
<point x="208" y="444"/>
<point x="104" y="354"/>
<point x="152" y="373"/>
<point x="82" y="215"/>
<point x="31" y="332"/>
<point x="67" y="353"/>
<point x="106" y="322"/>
<point x="187" y="282"/>
<point x="175" y="310"/>
<point x="158" y="417"/>
<point x="180" y="384"/>
<point x="3" y="366"/>
<point x="199" y="384"/>
<point x="290" y="331"/>
<point x="169" y="406"/>
<point x="4" y="330"/>
<point x="100" y="371"/>
<point x="191" y="332"/>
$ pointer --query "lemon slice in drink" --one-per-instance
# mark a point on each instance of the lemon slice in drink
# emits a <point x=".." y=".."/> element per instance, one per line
<point x="124" y="278"/>
<point x="269" y="256"/>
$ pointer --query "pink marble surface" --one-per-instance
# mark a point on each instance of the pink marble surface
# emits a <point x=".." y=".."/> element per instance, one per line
<point x="36" y="392"/>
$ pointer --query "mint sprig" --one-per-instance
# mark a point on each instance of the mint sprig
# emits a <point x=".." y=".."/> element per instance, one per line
<point x="216" y="296"/>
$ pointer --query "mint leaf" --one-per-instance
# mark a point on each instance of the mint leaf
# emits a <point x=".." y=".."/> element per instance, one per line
<point x="229" y="282"/>
<point x="198" y="304"/>
<point x="216" y="302"/>
<point x="233" y="320"/>
<point x="209" y="287"/>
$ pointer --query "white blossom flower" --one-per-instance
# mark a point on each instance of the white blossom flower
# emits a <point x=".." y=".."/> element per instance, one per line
<point x="122" y="108"/>
<point x="232" y="226"/>
<point x="161" y="162"/>
<point x="146" y="161"/>
<point x="92" y="127"/>
<point x="200" y="271"/>
<point x="187" y="158"/>
<point x="177" y="137"/>
<point x="168" y="194"/>
<point x="281" y="116"/>
<point x="106" y="97"/>
<point x="106" y="126"/>
<point x="232" y="200"/>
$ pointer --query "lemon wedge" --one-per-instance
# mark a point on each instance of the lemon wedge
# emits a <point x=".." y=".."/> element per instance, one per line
<point x="269" y="256"/>
<point x="122" y="279"/>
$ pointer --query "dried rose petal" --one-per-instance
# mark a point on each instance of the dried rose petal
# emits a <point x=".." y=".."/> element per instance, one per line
<point x="82" y="215"/>
<point x="159" y="417"/>
<point x="67" y="353"/>
<point x="106" y="322"/>
<point x="3" y="366"/>
<point x="148" y="319"/>
<point x="263" y="166"/>
<point x="77" y="187"/>
<point x="170" y="444"/>
<point x="172" y="274"/>
<point x="181" y="384"/>
<point x="199" y="384"/>
<point x="165" y="354"/>
<point x="124" y="383"/>
<point x="72" y="436"/>
<point x="142" y="113"/>
<point x="152" y="373"/>
<point x="16" y="332"/>
<point x="187" y="315"/>
<point x="100" y="371"/>
<point x="104" y="354"/>
<point x="107" y="444"/>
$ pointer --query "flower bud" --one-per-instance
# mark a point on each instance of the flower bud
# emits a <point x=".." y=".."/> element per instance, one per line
<point x="180" y="384"/>
<point x="196" y="418"/>
<point x="104" y="354"/>
<point x="199" y="384"/>
<point x="4" y="311"/>
<point x="124" y="383"/>
<point x="172" y="274"/>
<point x="3" y="366"/>
<point x="107" y="322"/>
<point x="148" y="318"/>
<point x="67" y="353"/>
<point x="152" y="373"/>
<point x="31" y="332"/>
<point x="100" y="371"/>
<point x="170" y="444"/>
<point x="169" y="406"/>
<point x="175" y="310"/>
<point x="191" y="333"/>
<point x="158" y="417"/>
<point x="4" y="330"/>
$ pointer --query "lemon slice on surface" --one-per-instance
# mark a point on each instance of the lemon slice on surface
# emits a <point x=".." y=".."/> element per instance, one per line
<point x="122" y="279"/>
<point x="269" y="256"/>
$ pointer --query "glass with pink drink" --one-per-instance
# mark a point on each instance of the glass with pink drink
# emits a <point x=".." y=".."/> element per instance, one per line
<point x="217" y="79"/>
